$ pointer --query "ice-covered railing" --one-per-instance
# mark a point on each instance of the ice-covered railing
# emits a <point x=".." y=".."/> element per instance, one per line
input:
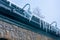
<point x="9" y="6"/>
<point x="28" y="14"/>
<point x="43" y="25"/>
<point x="54" y="27"/>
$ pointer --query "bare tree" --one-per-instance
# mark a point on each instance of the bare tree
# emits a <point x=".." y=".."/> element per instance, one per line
<point x="37" y="12"/>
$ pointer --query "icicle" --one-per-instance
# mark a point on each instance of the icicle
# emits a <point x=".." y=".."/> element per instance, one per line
<point x="46" y="27"/>
<point x="30" y="18"/>
<point x="9" y="4"/>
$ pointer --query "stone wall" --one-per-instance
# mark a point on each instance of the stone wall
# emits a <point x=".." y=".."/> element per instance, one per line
<point x="13" y="32"/>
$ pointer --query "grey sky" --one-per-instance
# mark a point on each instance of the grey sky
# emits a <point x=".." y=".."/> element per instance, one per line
<point x="49" y="8"/>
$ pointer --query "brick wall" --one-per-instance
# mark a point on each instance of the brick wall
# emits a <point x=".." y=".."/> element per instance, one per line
<point x="12" y="32"/>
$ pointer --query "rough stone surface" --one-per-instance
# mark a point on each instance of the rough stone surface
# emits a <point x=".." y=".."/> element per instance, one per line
<point x="13" y="32"/>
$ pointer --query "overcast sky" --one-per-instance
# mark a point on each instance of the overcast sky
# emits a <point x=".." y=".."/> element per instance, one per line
<point x="49" y="8"/>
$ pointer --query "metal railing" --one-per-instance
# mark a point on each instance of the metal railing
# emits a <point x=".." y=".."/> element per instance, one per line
<point x="43" y="25"/>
